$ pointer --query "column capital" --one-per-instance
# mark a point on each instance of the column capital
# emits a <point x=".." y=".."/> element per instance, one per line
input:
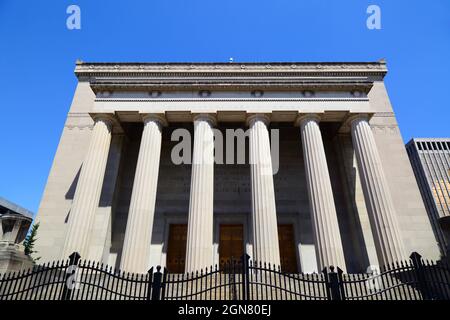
<point x="109" y="119"/>
<point x="352" y="118"/>
<point x="358" y="117"/>
<point x="252" y="118"/>
<point x="159" y="118"/>
<point x="303" y="117"/>
<point x="208" y="117"/>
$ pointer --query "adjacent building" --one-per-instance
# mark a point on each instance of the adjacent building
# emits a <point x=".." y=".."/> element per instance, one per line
<point x="430" y="159"/>
<point x="14" y="224"/>
<point x="325" y="178"/>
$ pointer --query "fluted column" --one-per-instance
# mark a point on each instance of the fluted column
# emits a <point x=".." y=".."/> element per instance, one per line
<point x="88" y="190"/>
<point x="328" y="243"/>
<point x="264" y="215"/>
<point x="138" y="234"/>
<point x="199" y="251"/>
<point x="382" y="215"/>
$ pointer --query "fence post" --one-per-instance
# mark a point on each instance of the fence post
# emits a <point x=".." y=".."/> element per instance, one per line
<point x="332" y="283"/>
<point x="149" y="283"/>
<point x="245" y="259"/>
<point x="420" y="272"/>
<point x="341" y="283"/>
<point x="71" y="270"/>
<point x="156" y="285"/>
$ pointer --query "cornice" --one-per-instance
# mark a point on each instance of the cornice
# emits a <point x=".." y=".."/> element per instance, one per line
<point x="231" y="76"/>
<point x="262" y="68"/>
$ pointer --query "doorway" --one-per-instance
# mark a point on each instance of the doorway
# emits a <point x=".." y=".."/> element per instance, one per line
<point x="176" y="249"/>
<point x="231" y="244"/>
<point x="288" y="256"/>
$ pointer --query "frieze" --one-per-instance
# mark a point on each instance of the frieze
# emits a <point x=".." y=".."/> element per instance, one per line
<point x="386" y="129"/>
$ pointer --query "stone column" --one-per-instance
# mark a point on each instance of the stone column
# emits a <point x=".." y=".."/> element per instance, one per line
<point x="88" y="190"/>
<point x="327" y="237"/>
<point x="138" y="234"/>
<point x="264" y="214"/>
<point x="199" y="251"/>
<point x="377" y="195"/>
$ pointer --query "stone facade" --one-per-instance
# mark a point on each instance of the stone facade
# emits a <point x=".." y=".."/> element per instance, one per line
<point x="231" y="93"/>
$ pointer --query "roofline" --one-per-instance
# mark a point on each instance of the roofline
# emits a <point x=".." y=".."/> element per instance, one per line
<point x="429" y="139"/>
<point x="231" y="69"/>
<point x="252" y="63"/>
<point x="16" y="208"/>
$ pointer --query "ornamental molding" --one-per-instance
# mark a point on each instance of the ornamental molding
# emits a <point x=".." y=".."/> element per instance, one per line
<point x="248" y="67"/>
<point x="230" y="76"/>
<point x="231" y="100"/>
<point x="384" y="115"/>
<point x="79" y="126"/>
<point x="387" y="129"/>
<point x="244" y="84"/>
<point x="256" y="77"/>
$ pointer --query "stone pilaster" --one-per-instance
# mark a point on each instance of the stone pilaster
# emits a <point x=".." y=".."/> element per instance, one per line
<point x="88" y="190"/>
<point x="378" y="197"/>
<point x="264" y="215"/>
<point x="328" y="243"/>
<point x="138" y="235"/>
<point x="199" y="251"/>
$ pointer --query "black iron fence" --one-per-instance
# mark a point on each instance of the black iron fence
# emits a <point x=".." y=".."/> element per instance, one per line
<point x="76" y="279"/>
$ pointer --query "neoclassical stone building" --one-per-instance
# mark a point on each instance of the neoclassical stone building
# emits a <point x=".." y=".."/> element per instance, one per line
<point x="343" y="193"/>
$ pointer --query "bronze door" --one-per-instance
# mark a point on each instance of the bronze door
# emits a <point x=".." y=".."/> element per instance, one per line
<point x="231" y="245"/>
<point x="288" y="256"/>
<point x="176" y="250"/>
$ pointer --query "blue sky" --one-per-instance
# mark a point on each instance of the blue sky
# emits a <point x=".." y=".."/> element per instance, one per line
<point x="38" y="52"/>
